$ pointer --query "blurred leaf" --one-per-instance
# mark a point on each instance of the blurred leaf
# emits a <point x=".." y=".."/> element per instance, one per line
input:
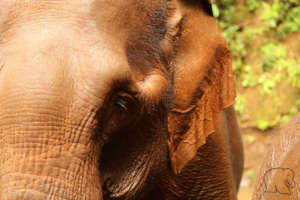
<point x="251" y="174"/>
<point x="215" y="10"/>
<point x="262" y="125"/>
<point x="285" y="119"/>
<point x="240" y="103"/>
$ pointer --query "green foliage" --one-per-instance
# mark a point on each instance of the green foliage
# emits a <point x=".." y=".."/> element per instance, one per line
<point x="284" y="16"/>
<point x="263" y="125"/>
<point x="291" y="23"/>
<point x="248" y="78"/>
<point x="267" y="84"/>
<point x="252" y="5"/>
<point x="256" y="31"/>
<point x="272" y="12"/>
<point x="272" y="53"/>
<point x="240" y="103"/>
<point x="216" y="11"/>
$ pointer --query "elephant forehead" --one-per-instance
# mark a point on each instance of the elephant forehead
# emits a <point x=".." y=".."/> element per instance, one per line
<point x="94" y="41"/>
<point x="114" y="25"/>
<point x="114" y="17"/>
<point x="55" y="63"/>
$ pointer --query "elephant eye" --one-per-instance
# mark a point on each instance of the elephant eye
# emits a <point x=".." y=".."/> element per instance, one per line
<point x="124" y="101"/>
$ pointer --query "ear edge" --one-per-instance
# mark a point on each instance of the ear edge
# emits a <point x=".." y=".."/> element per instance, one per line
<point x="219" y="93"/>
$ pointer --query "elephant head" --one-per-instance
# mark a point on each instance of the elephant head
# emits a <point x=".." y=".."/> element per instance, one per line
<point x="95" y="93"/>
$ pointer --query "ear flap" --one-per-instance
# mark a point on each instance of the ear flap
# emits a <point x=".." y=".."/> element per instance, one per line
<point x="203" y="82"/>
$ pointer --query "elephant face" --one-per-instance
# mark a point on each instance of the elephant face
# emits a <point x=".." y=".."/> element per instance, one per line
<point x="89" y="89"/>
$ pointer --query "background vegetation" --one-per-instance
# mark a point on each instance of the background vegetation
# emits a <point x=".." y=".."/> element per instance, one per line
<point x="265" y="44"/>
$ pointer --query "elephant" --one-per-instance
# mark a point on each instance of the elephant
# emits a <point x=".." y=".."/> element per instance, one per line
<point x="279" y="173"/>
<point x="118" y="99"/>
<point x="283" y="180"/>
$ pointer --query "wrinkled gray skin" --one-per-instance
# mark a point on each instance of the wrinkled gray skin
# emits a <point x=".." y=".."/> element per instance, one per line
<point x="85" y="91"/>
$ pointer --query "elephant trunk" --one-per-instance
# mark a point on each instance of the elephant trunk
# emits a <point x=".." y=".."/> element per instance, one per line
<point x="48" y="147"/>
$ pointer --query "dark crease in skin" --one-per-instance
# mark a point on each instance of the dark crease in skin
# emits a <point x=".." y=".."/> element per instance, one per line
<point x="166" y="58"/>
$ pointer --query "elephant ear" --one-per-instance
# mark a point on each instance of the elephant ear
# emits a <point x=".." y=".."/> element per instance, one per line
<point x="203" y="82"/>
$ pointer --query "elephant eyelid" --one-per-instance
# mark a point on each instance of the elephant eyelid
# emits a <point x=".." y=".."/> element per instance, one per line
<point x="128" y="96"/>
